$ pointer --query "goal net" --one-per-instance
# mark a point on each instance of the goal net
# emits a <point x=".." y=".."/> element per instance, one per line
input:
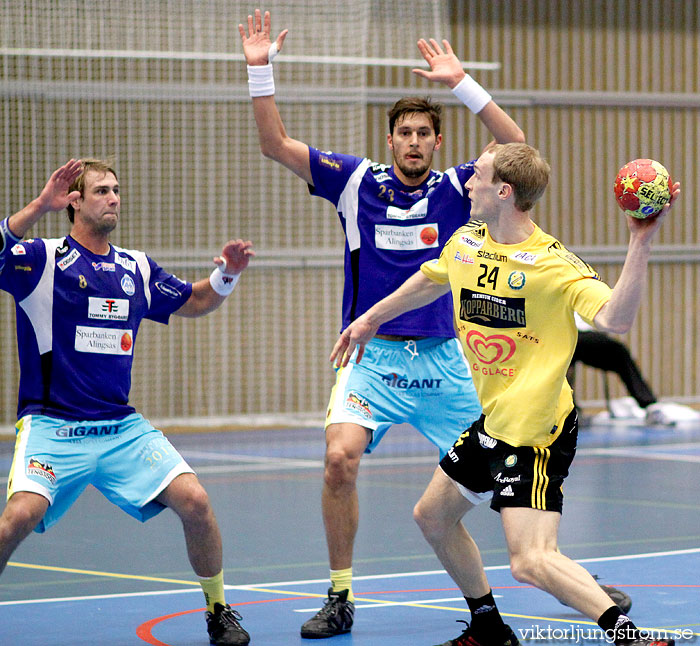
<point x="161" y="87"/>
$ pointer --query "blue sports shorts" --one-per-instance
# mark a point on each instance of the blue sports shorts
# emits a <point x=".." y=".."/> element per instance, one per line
<point x="426" y="383"/>
<point x="127" y="460"/>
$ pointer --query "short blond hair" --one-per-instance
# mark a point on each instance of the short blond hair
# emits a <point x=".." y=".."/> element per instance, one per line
<point x="524" y="169"/>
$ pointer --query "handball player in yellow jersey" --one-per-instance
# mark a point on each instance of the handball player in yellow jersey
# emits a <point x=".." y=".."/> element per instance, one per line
<point x="515" y="290"/>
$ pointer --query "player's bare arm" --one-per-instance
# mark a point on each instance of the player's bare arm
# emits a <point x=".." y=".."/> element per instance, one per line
<point x="446" y="68"/>
<point x="53" y="197"/>
<point x="209" y="293"/>
<point x="618" y="314"/>
<point x="274" y="141"/>
<point x="416" y="292"/>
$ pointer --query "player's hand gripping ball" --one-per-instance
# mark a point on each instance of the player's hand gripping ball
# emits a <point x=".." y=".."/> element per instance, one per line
<point x="642" y="187"/>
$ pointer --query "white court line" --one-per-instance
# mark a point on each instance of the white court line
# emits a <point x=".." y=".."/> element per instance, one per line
<point x="250" y="463"/>
<point x="399" y="603"/>
<point x="252" y="587"/>
<point x="643" y="453"/>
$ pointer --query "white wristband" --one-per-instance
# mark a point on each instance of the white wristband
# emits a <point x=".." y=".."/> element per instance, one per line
<point x="261" y="82"/>
<point x="222" y="283"/>
<point x="469" y="92"/>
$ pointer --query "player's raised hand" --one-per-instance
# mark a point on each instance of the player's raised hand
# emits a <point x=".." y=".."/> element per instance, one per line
<point x="444" y="65"/>
<point x="235" y="256"/>
<point x="55" y="196"/>
<point x="256" y="42"/>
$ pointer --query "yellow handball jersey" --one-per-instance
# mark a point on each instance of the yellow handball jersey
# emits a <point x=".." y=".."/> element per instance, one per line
<point x="514" y="312"/>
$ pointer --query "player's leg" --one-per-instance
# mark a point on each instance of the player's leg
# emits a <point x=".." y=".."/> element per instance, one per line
<point x="439" y="514"/>
<point x="461" y="482"/>
<point x="24" y="510"/>
<point x="141" y="472"/>
<point x="360" y="410"/>
<point x="47" y="475"/>
<point x="345" y="445"/>
<point x="188" y="499"/>
<point x="531" y="536"/>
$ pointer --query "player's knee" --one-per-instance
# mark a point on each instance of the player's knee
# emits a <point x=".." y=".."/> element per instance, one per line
<point x="526" y="567"/>
<point x="193" y="504"/>
<point x="19" y="520"/>
<point x="341" y="467"/>
<point x="429" y="520"/>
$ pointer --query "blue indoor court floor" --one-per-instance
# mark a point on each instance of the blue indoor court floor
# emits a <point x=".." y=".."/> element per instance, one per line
<point x="631" y="516"/>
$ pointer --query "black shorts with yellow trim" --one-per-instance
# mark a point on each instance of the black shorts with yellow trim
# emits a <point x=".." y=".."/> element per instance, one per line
<point x="513" y="476"/>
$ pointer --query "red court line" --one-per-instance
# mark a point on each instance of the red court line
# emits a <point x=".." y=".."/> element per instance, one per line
<point x="144" y="630"/>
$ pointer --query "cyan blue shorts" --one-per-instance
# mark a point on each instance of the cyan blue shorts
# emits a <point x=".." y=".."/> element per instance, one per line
<point x="128" y="460"/>
<point x="426" y="383"/>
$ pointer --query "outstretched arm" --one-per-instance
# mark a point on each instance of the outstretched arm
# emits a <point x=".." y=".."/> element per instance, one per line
<point x="446" y="68"/>
<point x="617" y="315"/>
<point x="53" y="197"/>
<point x="274" y="141"/>
<point x="416" y="292"/>
<point x="209" y="293"/>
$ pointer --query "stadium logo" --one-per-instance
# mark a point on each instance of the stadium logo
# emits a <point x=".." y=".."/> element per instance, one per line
<point x="399" y="381"/>
<point x="36" y="468"/>
<point x="492" y="255"/>
<point x="496" y="348"/>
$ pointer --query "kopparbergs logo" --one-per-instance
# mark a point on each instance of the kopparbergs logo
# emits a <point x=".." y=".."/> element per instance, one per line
<point x="577" y="634"/>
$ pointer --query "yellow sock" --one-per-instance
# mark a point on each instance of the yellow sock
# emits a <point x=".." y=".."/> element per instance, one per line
<point x="213" y="589"/>
<point x="342" y="580"/>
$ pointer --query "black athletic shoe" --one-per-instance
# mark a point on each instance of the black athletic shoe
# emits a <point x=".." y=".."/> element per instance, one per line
<point x="620" y="598"/>
<point x="467" y="639"/>
<point x="223" y="627"/>
<point x="335" y="618"/>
